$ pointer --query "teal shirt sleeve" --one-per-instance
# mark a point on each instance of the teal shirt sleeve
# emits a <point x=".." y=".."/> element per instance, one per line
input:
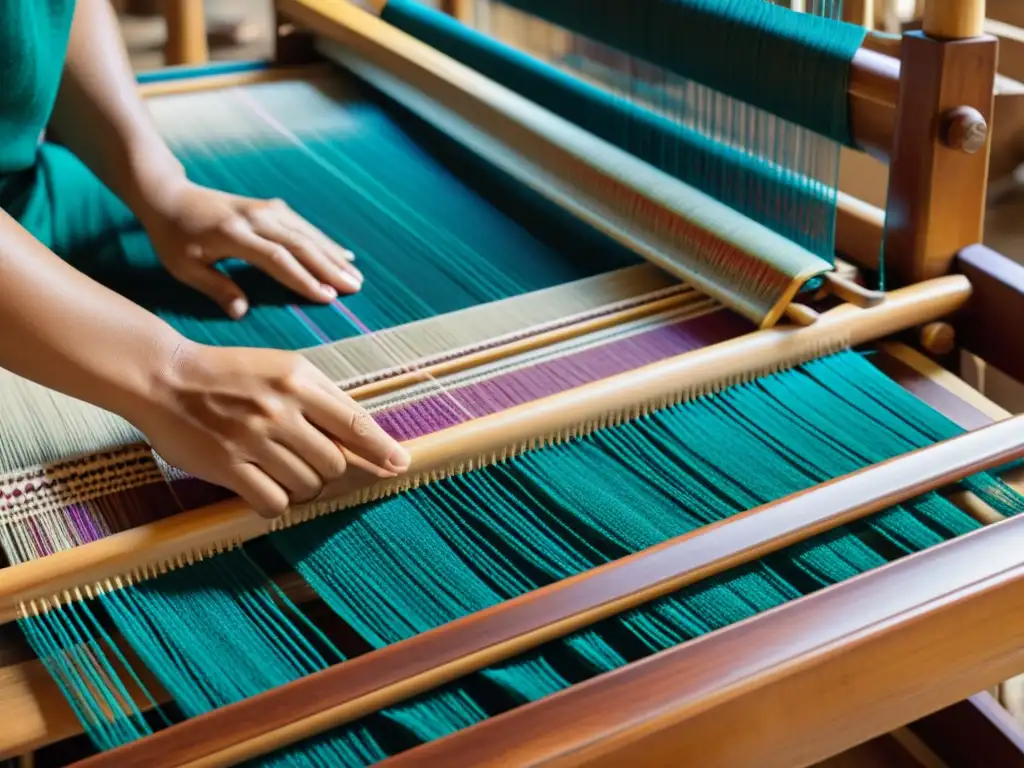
<point x="33" y="48"/>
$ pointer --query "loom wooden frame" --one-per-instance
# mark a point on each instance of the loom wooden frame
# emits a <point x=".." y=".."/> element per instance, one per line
<point x="385" y="677"/>
<point x="982" y="272"/>
<point x="42" y="716"/>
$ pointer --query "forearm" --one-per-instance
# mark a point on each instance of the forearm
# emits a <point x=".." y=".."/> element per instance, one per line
<point x="101" y="118"/>
<point x="68" y="333"/>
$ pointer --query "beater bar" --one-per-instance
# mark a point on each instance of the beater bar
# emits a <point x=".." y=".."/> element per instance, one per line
<point x="164" y="544"/>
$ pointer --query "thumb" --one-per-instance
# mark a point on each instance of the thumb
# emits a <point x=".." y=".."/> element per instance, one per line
<point x="217" y="286"/>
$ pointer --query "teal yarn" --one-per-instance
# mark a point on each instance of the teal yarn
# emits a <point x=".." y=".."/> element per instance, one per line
<point x="433" y="229"/>
<point x="802" y="208"/>
<point x="215" y="632"/>
<point x="429" y="240"/>
<point x="79" y="655"/>
<point x="430" y="556"/>
<point x="212" y="633"/>
<point x="793" y="65"/>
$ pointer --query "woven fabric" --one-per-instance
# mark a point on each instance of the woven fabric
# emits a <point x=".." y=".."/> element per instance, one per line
<point x="404" y="565"/>
<point x="82" y="499"/>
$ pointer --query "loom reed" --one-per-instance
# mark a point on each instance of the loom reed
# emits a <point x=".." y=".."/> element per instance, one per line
<point x="487" y="440"/>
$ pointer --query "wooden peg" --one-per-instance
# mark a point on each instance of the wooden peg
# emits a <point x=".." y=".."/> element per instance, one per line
<point x="851" y="292"/>
<point x="938" y="339"/>
<point x="954" y="19"/>
<point x="964" y="129"/>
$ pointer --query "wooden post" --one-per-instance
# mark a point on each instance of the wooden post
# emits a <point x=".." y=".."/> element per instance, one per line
<point x="860" y="12"/>
<point x="459" y="9"/>
<point x="939" y="163"/>
<point x="186" y="33"/>
<point x="954" y="19"/>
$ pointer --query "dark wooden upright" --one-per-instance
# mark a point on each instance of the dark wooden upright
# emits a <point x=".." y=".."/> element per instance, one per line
<point x="939" y="163"/>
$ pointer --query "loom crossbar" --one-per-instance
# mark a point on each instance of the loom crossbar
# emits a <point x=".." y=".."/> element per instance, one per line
<point x="842" y="666"/>
<point x="152" y="548"/>
<point x="366" y="684"/>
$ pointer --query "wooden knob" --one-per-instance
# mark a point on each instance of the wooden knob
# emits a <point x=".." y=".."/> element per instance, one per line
<point x="938" y="339"/>
<point x="965" y="129"/>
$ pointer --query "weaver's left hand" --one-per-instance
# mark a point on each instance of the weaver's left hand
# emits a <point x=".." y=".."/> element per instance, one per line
<point x="193" y="227"/>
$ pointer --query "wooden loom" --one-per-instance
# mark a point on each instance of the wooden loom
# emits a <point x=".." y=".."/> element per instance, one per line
<point x="957" y="605"/>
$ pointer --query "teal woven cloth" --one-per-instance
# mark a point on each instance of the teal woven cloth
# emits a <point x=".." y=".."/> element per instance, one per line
<point x="214" y="633"/>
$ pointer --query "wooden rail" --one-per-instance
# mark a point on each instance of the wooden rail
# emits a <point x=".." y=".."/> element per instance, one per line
<point x="387" y="676"/>
<point x="841" y="667"/>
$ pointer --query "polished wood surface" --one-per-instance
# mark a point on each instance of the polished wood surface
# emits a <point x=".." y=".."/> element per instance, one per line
<point x="936" y="199"/>
<point x="953" y="19"/>
<point x="186" y="33"/>
<point x="842" y="666"/>
<point x="387" y="676"/>
<point x="991" y="324"/>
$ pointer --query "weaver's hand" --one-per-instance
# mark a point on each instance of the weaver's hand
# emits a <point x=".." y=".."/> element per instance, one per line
<point x="193" y="227"/>
<point x="266" y="424"/>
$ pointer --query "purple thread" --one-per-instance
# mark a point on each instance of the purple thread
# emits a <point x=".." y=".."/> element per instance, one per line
<point x="553" y="376"/>
<point x="307" y="321"/>
<point x="85" y="523"/>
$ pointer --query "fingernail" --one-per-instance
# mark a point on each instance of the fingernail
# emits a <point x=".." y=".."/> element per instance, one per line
<point x="328" y="291"/>
<point x="349" y="255"/>
<point x="353" y="282"/>
<point x="399" y="460"/>
<point x="237" y="308"/>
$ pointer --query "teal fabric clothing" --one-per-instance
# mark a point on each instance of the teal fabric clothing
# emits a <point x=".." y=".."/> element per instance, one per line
<point x="62" y="203"/>
<point x="43" y="186"/>
<point x="33" y="46"/>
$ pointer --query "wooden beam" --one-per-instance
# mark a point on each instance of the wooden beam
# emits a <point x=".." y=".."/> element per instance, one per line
<point x="389" y="675"/>
<point x="938" y="175"/>
<point x="830" y="677"/>
<point x="989" y="326"/>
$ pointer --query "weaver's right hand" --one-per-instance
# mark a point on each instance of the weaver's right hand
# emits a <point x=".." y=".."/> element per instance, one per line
<point x="264" y="423"/>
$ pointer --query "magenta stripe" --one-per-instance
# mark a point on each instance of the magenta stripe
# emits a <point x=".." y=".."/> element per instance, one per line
<point x="307" y="321"/>
<point x="363" y="328"/>
<point x="559" y="375"/>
